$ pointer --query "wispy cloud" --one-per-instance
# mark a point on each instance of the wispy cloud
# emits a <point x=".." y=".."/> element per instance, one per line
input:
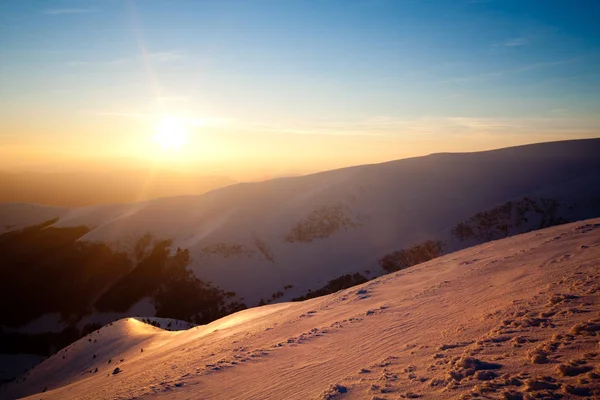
<point x="545" y="64"/>
<point x="173" y="99"/>
<point x="553" y="81"/>
<point x="515" y="42"/>
<point x="553" y="122"/>
<point x="61" y="11"/>
<point x="373" y="126"/>
<point x="430" y="127"/>
<point x="452" y="96"/>
<point x="497" y="74"/>
<point x="475" y="78"/>
<point x="165" y="56"/>
<point x="485" y="124"/>
<point x="187" y="120"/>
<point x="77" y="63"/>
<point x="117" y="61"/>
<point x="121" y="114"/>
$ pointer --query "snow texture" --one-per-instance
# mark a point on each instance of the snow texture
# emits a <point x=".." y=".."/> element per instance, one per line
<point x="513" y="317"/>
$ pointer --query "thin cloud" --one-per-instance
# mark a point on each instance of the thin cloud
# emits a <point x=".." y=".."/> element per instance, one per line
<point x="554" y="122"/>
<point x="475" y="78"/>
<point x="189" y="121"/>
<point x="452" y="96"/>
<point x="118" y="61"/>
<point x="498" y="74"/>
<point x="62" y="11"/>
<point x="77" y="63"/>
<point x="557" y="80"/>
<point x="545" y="64"/>
<point x="173" y="99"/>
<point x="121" y="114"/>
<point x="515" y="42"/>
<point x="485" y="124"/>
<point x="432" y="126"/>
<point x="165" y="56"/>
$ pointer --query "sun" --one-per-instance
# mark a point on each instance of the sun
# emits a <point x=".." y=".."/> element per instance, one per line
<point x="171" y="134"/>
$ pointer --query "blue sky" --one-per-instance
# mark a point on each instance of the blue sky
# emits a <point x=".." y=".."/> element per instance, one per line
<point x="399" y="68"/>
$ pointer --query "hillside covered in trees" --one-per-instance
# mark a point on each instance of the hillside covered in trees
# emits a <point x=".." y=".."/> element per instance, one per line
<point x="46" y="270"/>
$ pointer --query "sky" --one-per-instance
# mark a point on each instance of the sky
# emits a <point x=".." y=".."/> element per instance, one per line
<point x="288" y="86"/>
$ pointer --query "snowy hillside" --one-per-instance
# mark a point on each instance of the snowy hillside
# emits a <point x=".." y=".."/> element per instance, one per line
<point x="515" y="318"/>
<point x="65" y="272"/>
<point x="255" y="238"/>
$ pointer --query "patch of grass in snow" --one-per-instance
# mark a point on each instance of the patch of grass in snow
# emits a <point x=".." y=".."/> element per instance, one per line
<point x="334" y="285"/>
<point x="322" y="223"/>
<point x="414" y="255"/>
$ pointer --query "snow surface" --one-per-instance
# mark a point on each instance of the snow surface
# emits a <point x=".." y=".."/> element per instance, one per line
<point x="389" y="206"/>
<point x="509" y="317"/>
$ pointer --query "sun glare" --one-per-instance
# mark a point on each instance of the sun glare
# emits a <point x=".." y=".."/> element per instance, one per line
<point x="171" y="134"/>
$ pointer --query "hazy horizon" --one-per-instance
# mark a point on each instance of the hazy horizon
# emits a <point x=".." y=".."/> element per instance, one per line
<point x="256" y="172"/>
<point x="93" y="183"/>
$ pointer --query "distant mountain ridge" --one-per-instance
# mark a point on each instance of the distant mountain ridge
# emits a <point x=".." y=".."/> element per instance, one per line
<point x="74" y="189"/>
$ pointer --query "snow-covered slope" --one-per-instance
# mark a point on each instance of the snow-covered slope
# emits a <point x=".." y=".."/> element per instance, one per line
<point x="256" y="238"/>
<point x="513" y="317"/>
